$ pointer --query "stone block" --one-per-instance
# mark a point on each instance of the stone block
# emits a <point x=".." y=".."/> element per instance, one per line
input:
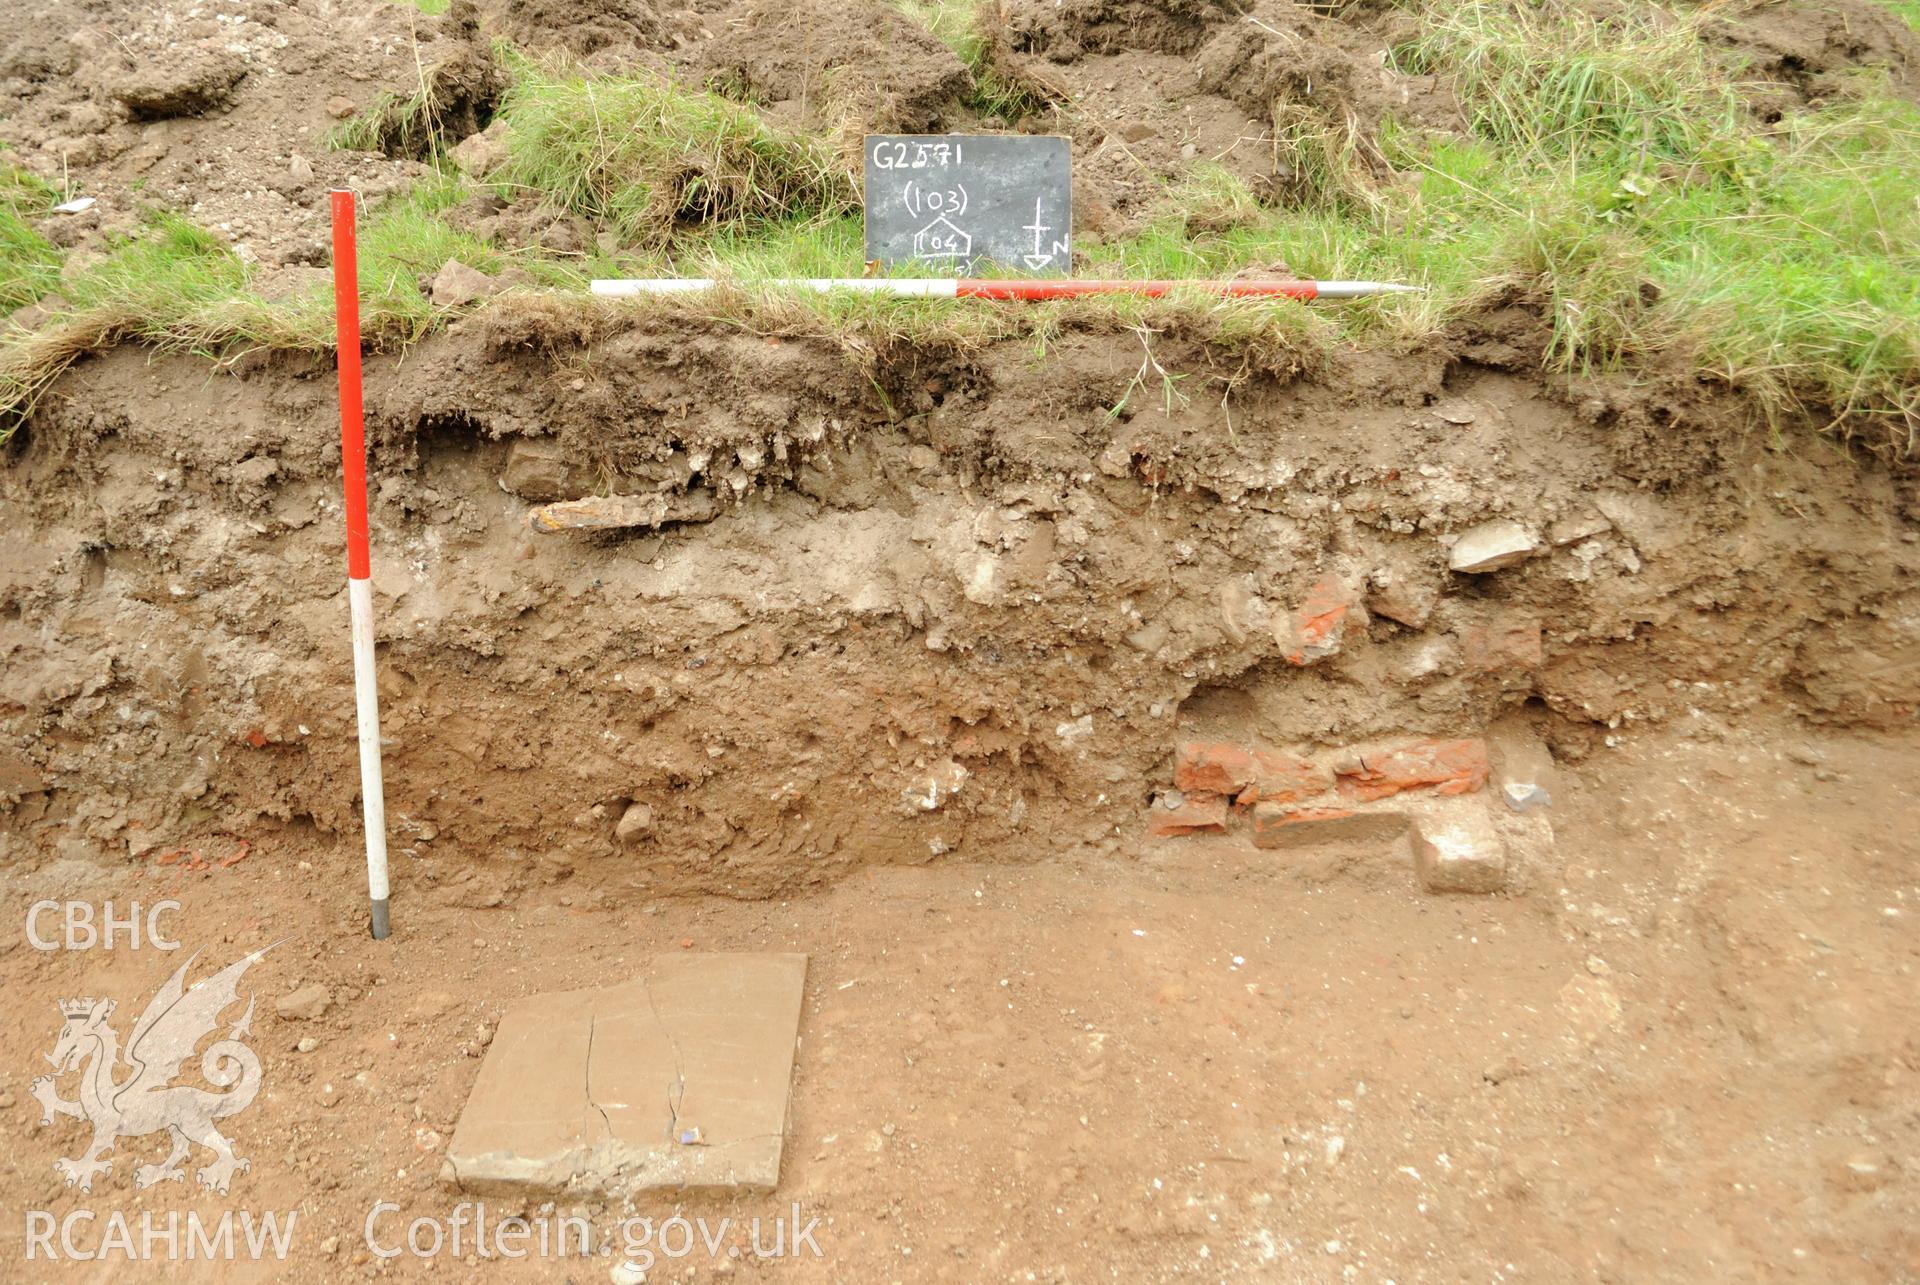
<point x="1457" y="848"/>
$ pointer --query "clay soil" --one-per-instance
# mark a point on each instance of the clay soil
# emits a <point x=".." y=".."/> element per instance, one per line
<point x="900" y="687"/>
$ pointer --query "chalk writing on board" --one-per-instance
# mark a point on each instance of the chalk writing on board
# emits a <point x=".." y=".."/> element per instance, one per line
<point x="958" y="200"/>
<point x="1037" y="259"/>
<point x="906" y="154"/>
<point x="924" y="200"/>
<point x="942" y="239"/>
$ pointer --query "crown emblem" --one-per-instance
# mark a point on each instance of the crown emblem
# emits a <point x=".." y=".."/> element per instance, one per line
<point x="75" y="1007"/>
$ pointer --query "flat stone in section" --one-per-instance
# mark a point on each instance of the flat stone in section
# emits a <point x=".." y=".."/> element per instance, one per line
<point x="678" y="1078"/>
<point x="1491" y="546"/>
<point x="619" y="512"/>
<point x="1522" y="766"/>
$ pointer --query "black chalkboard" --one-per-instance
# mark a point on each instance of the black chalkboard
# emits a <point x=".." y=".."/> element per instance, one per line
<point x="956" y="201"/>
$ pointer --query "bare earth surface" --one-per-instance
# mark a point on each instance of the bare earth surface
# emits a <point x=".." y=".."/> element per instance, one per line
<point x="1688" y="1053"/>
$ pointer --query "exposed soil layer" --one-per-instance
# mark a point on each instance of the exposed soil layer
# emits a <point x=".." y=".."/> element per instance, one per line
<point x="834" y="63"/>
<point x="223" y="115"/>
<point x="1040" y="572"/>
<point x="618" y="31"/>
<point x="1161" y="88"/>
<point x="1806" y="52"/>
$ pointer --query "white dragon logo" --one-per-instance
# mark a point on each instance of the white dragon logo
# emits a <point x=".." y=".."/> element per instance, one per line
<point x="176" y="1019"/>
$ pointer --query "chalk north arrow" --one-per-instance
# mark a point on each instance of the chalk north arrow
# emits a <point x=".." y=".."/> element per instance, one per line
<point x="1037" y="260"/>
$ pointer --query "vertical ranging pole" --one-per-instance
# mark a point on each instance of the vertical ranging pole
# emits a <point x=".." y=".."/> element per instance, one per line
<point x="353" y="465"/>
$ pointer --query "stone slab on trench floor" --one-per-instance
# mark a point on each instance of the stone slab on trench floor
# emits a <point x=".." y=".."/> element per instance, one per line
<point x="678" y="1078"/>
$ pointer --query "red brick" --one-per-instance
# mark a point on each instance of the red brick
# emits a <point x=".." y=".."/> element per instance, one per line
<point x="1448" y="767"/>
<point x="1217" y="767"/>
<point x="1504" y="643"/>
<point x="1212" y="767"/>
<point x="1280" y="777"/>
<point x="1275" y="826"/>
<point x="1198" y="812"/>
<point x="1313" y="631"/>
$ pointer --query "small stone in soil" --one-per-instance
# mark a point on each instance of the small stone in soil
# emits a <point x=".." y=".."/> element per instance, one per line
<point x="305" y="1004"/>
<point x="1490" y="546"/>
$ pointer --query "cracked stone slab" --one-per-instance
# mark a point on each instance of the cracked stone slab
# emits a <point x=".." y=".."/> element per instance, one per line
<point x="678" y="1078"/>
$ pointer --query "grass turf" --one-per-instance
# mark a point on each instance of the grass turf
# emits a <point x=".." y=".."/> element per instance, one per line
<point x="651" y="157"/>
<point x="1907" y="10"/>
<point x="29" y="263"/>
<point x="1609" y="171"/>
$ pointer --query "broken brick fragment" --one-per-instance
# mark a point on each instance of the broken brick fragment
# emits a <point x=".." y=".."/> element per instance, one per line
<point x="1196" y="812"/>
<point x="1447" y="767"/>
<point x="1313" y="631"/>
<point x="1247" y="776"/>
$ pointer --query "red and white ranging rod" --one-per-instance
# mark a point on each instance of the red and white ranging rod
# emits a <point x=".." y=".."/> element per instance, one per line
<point x="353" y="467"/>
<point x="1022" y="287"/>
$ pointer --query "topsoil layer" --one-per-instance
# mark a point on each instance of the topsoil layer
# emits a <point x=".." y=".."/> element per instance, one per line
<point x="223" y="113"/>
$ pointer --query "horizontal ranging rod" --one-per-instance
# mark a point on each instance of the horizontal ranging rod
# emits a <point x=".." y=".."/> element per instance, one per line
<point x="1020" y="288"/>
